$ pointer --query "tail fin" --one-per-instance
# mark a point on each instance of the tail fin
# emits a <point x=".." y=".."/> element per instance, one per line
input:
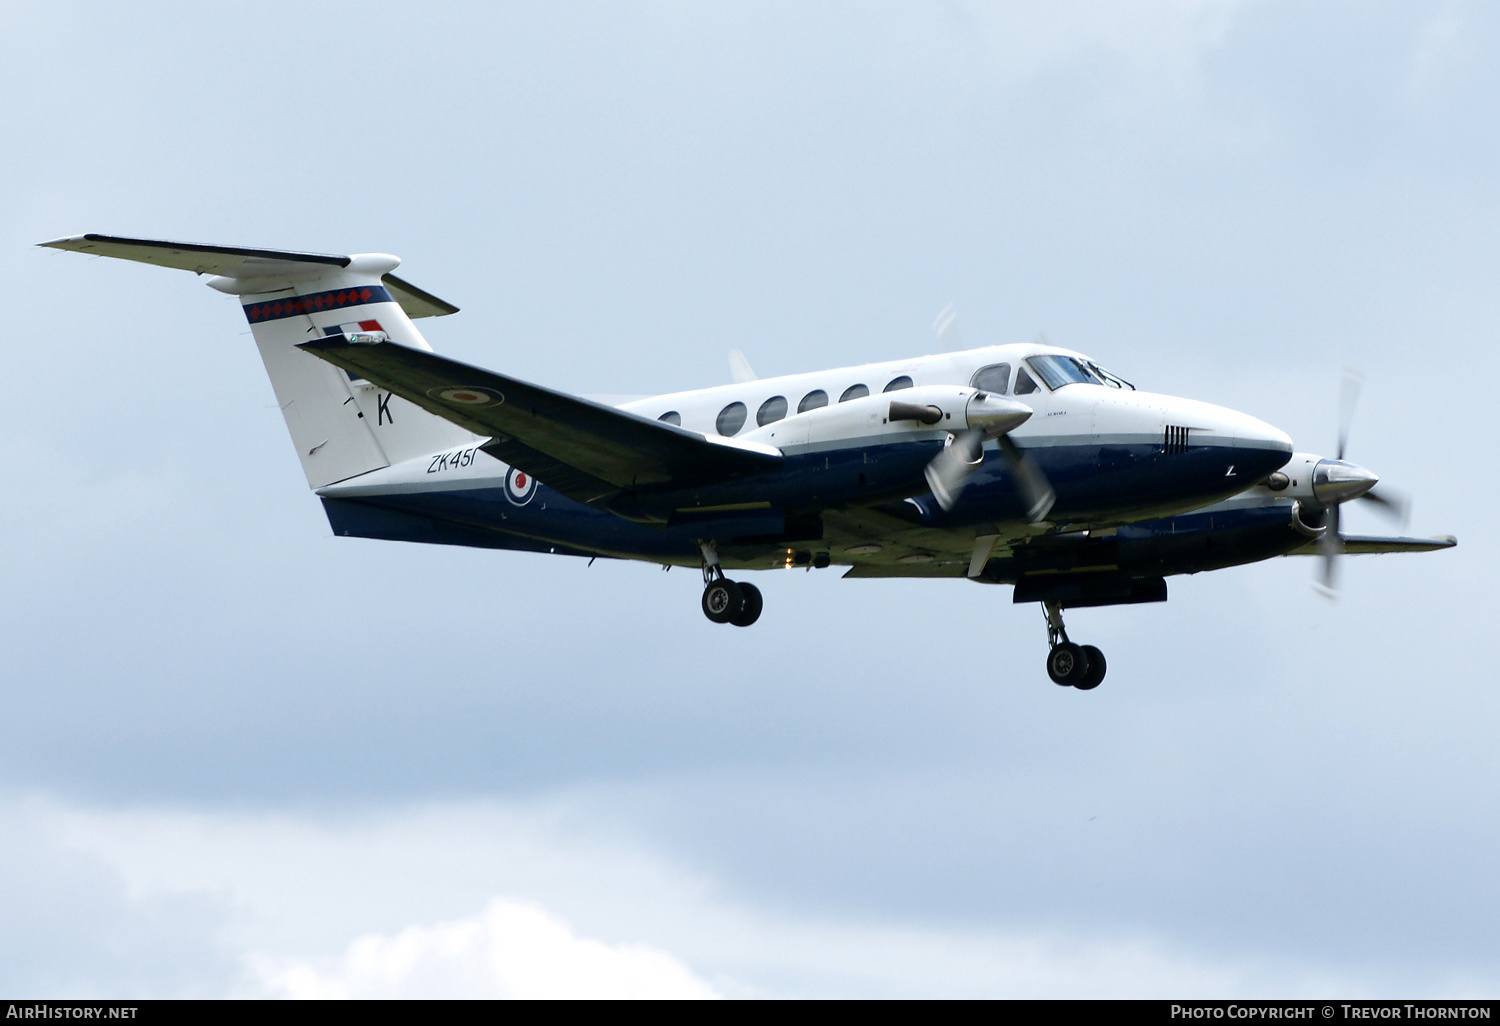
<point x="341" y="426"/>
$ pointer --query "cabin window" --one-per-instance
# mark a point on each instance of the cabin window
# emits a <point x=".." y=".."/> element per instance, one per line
<point x="816" y="399"/>
<point x="994" y="378"/>
<point x="897" y="384"/>
<point x="854" y="392"/>
<point x="772" y="410"/>
<point x="1058" y="371"/>
<point x="671" y="417"/>
<point x="731" y="419"/>
<point x="1024" y="384"/>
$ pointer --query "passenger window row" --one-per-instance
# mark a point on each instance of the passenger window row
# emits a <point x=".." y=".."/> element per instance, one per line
<point x="1057" y="371"/>
<point x="732" y="417"/>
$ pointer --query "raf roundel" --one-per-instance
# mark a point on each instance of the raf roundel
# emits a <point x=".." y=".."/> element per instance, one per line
<point x="520" y="487"/>
<point x="467" y="395"/>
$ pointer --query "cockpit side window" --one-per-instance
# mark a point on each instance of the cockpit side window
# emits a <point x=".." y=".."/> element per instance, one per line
<point x="1058" y="371"/>
<point x="995" y="378"/>
<point x="1024" y="384"/>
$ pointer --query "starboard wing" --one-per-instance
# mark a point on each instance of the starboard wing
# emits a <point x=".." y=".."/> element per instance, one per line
<point x="1356" y="545"/>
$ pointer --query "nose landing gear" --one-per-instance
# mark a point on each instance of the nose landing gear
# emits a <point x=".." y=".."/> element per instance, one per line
<point x="726" y="601"/>
<point x="1069" y="665"/>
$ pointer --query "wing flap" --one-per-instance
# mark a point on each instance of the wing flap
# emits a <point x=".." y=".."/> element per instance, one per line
<point x="584" y="449"/>
<point x="869" y="570"/>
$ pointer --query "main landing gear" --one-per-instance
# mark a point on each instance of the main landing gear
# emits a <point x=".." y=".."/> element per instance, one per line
<point x="726" y="601"/>
<point x="1070" y="665"/>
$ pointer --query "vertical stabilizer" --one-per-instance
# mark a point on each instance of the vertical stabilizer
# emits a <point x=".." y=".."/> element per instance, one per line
<point x="341" y="426"/>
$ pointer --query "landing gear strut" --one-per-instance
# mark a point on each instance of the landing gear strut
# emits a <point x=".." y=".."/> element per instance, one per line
<point x="726" y="601"/>
<point x="1070" y="665"/>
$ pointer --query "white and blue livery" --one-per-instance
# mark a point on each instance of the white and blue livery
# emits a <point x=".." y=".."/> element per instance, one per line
<point x="1026" y="465"/>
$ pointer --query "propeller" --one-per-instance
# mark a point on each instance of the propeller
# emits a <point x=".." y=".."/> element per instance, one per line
<point x="949" y="470"/>
<point x="1034" y="485"/>
<point x="1339" y="482"/>
<point x="988" y="416"/>
<point x="945" y="328"/>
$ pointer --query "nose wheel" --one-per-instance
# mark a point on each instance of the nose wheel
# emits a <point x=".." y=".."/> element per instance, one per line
<point x="726" y="601"/>
<point x="1069" y="665"/>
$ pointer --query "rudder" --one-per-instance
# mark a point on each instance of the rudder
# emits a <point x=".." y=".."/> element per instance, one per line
<point x="341" y="427"/>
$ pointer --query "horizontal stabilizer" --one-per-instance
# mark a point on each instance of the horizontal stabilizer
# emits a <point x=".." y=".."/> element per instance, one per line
<point x="237" y="262"/>
<point x="1355" y="545"/>
<point x="587" y="451"/>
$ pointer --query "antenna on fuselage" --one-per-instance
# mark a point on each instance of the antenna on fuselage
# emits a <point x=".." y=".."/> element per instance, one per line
<point x="739" y="368"/>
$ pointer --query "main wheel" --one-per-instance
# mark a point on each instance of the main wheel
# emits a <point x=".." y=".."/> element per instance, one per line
<point x="750" y="606"/>
<point x="722" y="600"/>
<point x="1067" y="664"/>
<point x="1097" y="666"/>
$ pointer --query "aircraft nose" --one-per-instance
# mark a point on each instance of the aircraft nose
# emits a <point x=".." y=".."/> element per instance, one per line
<point x="1336" y="481"/>
<point x="1250" y="433"/>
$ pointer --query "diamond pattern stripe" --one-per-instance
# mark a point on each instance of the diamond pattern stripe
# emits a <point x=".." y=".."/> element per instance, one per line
<point x="334" y="299"/>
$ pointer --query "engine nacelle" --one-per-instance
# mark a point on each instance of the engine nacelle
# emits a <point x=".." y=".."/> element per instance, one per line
<point x="1318" y="483"/>
<point x="1295" y="479"/>
<point x="921" y="411"/>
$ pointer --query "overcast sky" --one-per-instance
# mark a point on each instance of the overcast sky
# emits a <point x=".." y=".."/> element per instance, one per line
<point x="239" y="756"/>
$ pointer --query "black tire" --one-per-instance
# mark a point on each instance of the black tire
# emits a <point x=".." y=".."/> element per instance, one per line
<point x="1097" y="668"/>
<point x="750" y="606"/>
<point x="722" y="600"/>
<point x="1067" y="664"/>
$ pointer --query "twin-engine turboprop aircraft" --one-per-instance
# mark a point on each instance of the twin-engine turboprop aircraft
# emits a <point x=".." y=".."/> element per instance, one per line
<point x="1025" y="465"/>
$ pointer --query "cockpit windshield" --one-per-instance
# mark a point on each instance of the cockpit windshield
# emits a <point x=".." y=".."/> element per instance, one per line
<point x="1112" y="380"/>
<point x="1057" y="371"/>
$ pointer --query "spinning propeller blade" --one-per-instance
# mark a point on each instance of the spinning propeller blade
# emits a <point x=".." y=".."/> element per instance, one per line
<point x="949" y="470"/>
<point x="1387" y="501"/>
<point x="1034" y="484"/>
<point x="988" y="416"/>
<point x="1330" y="547"/>
<point x="1390" y="503"/>
<point x="1348" y="397"/>
<point x="945" y="327"/>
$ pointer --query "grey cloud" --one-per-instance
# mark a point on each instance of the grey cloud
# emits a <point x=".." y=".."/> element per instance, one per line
<point x="616" y="197"/>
